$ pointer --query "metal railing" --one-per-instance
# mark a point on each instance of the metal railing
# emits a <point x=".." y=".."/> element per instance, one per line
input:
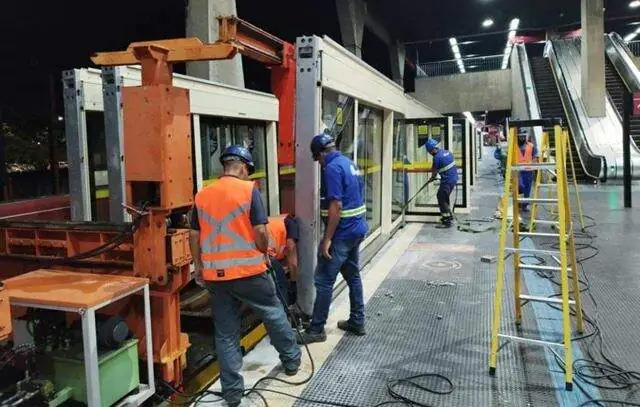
<point x="450" y="67"/>
<point x="634" y="46"/>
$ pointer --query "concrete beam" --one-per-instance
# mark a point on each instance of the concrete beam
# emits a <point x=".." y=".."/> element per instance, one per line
<point x="593" y="58"/>
<point x="202" y="23"/>
<point x="351" y="16"/>
<point x="398" y="55"/>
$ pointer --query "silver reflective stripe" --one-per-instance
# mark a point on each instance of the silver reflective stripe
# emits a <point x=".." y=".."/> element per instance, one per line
<point x="238" y="261"/>
<point x="447" y="167"/>
<point x="221" y="227"/>
<point x="347" y="213"/>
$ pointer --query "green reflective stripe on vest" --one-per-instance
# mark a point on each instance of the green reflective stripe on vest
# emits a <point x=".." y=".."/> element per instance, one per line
<point x="447" y="167"/>
<point x="238" y="261"/>
<point x="347" y="213"/>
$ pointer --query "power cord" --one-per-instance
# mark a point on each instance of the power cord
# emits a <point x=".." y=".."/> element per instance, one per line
<point x="393" y="385"/>
<point x="597" y="369"/>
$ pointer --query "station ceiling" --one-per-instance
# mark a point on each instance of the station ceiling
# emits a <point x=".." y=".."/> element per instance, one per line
<point x="433" y="22"/>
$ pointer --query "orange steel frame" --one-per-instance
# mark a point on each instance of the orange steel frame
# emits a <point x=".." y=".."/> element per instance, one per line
<point x="158" y="168"/>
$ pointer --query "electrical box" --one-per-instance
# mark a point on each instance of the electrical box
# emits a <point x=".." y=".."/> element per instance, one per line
<point x="118" y="371"/>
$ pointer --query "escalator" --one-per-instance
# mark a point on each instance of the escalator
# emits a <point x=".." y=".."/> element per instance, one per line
<point x="551" y="104"/>
<point x="616" y="88"/>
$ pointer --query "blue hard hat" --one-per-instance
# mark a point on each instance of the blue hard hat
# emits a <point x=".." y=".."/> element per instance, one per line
<point x="319" y="143"/>
<point x="431" y="144"/>
<point x="238" y="153"/>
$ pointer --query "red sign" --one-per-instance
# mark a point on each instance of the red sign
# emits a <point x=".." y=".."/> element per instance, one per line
<point x="636" y="104"/>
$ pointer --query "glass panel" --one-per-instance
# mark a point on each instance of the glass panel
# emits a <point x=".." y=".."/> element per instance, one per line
<point x="99" y="180"/>
<point x="337" y="117"/>
<point x="369" y="148"/>
<point x="400" y="178"/>
<point x="217" y="134"/>
<point x="457" y="149"/>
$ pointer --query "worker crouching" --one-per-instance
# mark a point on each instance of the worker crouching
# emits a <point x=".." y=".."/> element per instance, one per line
<point x="283" y="241"/>
<point x="444" y="164"/>
<point x="229" y="240"/>
<point x="343" y="210"/>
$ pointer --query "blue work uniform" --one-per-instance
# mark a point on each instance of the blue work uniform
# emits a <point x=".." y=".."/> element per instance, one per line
<point x="445" y="164"/>
<point x="342" y="182"/>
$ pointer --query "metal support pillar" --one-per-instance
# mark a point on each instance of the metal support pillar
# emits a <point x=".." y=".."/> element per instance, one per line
<point x="307" y="196"/>
<point x="387" y="172"/>
<point x="626" y="146"/>
<point x="77" y="149"/>
<point x="112" y="84"/>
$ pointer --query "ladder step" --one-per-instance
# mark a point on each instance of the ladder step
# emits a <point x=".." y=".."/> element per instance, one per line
<point x="538" y="200"/>
<point x="546" y="222"/>
<point x="529" y="341"/>
<point x="540" y="251"/>
<point x="544" y="299"/>
<point x="539" y="234"/>
<point x="532" y="167"/>
<point x="524" y="266"/>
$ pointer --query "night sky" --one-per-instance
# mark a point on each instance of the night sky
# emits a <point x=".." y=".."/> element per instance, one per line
<point x="42" y="38"/>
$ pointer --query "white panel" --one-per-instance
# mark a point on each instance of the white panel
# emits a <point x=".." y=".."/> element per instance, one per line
<point x="345" y="73"/>
<point x="206" y="97"/>
<point x="272" y="169"/>
<point x="197" y="146"/>
<point x="387" y="172"/>
<point x="92" y="89"/>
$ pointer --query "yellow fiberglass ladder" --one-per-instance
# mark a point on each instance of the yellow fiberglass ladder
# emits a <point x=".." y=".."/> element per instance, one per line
<point x="564" y="256"/>
<point x="544" y="179"/>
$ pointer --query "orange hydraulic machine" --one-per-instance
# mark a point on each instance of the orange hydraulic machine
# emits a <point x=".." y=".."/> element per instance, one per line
<point x="160" y="185"/>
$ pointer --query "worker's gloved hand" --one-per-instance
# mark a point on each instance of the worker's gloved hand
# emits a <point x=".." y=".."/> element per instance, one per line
<point x="324" y="247"/>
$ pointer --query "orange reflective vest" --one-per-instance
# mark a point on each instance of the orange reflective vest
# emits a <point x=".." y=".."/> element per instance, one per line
<point x="527" y="156"/>
<point x="277" y="237"/>
<point x="227" y="244"/>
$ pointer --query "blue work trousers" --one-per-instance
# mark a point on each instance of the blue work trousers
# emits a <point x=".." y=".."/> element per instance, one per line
<point x="281" y="279"/>
<point x="525" y="183"/>
<point x="345" y="257"/>
<point x="259" y="293"/>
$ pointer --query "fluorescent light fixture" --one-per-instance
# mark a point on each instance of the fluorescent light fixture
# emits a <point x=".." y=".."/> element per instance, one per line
<point x="469" y="117"/>
<point x="60" y="118"/>
<point x="515" y="23"/>
<point x="471" y="55"/>
<point x="456" y="54"/>
<point x="487" y="23"/>
<point x="634" y="4"/>
<point x="632" y="36"/>
<point x="470" y="42"/>
<point x="513" y="27"/>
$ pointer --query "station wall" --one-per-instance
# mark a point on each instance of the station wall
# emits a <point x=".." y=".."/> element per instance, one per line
<point x="474" y="91"/>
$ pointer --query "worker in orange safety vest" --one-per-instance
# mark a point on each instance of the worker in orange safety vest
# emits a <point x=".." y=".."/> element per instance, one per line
<point x="527" y="154"/>
<point x="229" y="242"/>
<point x="283" y="239"/>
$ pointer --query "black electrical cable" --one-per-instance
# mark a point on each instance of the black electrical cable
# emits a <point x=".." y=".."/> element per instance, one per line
<point x="603" y="375"/>
<point x="392" y="384"/>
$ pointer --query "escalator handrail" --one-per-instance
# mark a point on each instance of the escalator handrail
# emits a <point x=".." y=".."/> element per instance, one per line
<point x="591" y="162"/>
<point x="621" y="57"/>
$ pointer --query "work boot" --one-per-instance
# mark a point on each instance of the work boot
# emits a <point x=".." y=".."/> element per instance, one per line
<point x="348" y="326"/>
<point x="290" y="370"/>
<point x="311" y="337"/>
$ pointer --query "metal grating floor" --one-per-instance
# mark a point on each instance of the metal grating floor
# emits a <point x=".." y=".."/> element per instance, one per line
<point x="432" y="314"/>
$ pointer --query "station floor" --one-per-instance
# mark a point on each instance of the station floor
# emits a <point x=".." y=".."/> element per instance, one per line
<point x="429" y="301"/>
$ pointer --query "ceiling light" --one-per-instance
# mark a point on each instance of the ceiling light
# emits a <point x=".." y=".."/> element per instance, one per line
<point x="515" y="23"/>
<point x="467" y="42"/>
<point x="453" y="41"/>
<point x="634" y="4"/>
<point x="471" y="55"/>
<point x="487" y="23"/>
<point x="630" y="37"/>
